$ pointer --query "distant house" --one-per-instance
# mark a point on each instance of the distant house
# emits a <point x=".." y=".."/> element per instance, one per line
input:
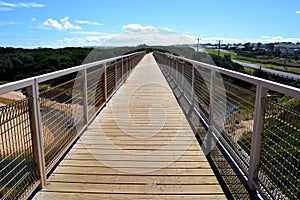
<point x="287" y="49"/>
<point x="241" y="47"/>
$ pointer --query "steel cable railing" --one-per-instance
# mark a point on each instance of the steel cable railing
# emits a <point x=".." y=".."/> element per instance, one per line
<point x="39" y="128"/>
<point x="260" y="135"/>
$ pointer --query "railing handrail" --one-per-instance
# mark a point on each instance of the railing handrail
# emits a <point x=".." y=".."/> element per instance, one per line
<point x="16" y="85"/>
<point x="286" y="89"/>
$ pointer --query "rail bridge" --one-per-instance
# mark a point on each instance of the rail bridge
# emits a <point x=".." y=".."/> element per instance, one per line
<point x="149" y="126"/>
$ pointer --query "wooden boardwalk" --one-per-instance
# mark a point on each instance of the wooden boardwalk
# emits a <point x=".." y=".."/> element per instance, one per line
<point x="139" y="147"/>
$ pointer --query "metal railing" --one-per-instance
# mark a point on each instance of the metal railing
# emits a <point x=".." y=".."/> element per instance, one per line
<point x="36" y="131"/>
<point x="241" y="114"/>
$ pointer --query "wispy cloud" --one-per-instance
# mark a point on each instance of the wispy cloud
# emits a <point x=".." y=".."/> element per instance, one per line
<point x="9" y="22"/>
<point x="88" y="33"/>
<point x="138" y="28"/>
<point x="278" y="38"/>
<point x="63" y="25"/>
<point x="7" y="6"/>
<point x="80" y="41"/>
<point x="77" y="21"/>
<point x="298" y="12"/>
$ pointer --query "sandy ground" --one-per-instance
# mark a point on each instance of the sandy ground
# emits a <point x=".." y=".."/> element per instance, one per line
<point x="10" y="97"/>
<point x="12" y="136"/>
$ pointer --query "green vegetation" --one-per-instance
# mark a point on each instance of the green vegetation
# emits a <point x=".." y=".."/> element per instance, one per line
<point x="263" y="61"/>
<point x="232" y="54"/>
<point x="18" y="63"/>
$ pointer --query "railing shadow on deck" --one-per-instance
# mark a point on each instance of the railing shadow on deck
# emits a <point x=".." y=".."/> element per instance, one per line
<point x="42" y="125"/>
<point x="242" y="123"/>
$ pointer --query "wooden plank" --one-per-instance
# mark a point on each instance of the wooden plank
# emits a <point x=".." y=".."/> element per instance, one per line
<point x="106" y="171"/>
<point x="92" y="196"/>
<point x="176" y="165"/>
<point x="151" y="188"/>
<point x="136" y="179"/>
<point x="150" y="158"/>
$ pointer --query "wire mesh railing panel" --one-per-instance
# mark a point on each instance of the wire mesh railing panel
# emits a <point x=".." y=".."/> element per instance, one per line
<point x="110" y="79"/>
<point x="119" y="73"/>
<point x="187" y="80"/>
<point x="202" y="94"/>
<point x="17" y="168"/>
<point x="180" y="77"/>
<point x="125" y="67"/>
<point x="238" y="127"/>
<point x="95" y="91"/>
<point x="62" y="117"/>
<point x="280" y="156"/>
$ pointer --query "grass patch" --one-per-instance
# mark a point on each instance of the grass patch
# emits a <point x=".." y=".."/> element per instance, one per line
<point x="232" y="54"/>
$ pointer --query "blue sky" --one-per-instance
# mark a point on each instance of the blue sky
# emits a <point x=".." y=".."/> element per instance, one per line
<point x="53" y="23"/>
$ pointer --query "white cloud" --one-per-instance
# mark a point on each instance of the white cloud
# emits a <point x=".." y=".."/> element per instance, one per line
<point x="79" y="42"/>
<point x="36" y="5"/>
<point x="132" y="35"/>
<point x="298" y="12"/>
<point x="6" y="6"/>
<point x="265" y="37"/>
<point x="88" y="22"/>
<point x="136" y="34"/>
<point x="67" y="25"/>
<point x="168" y="29"/>
<point x="88" y="33"/>
<point x="33" y="19"/>
<point x="64" y="25"/>
<point x="272" y="39"/>
<point x="139" y="28"/>
<point x="52" y="24"/>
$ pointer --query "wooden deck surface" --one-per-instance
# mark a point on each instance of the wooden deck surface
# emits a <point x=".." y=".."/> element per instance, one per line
<point x="139" y="147"/>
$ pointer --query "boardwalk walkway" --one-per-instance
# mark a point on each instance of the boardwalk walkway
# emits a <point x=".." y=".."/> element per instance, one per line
<point x="139" y="147"/>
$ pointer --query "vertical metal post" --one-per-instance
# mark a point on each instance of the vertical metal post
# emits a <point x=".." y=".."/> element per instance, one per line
<point x="193" y="86"/>
<point x="122" y="74"/>
<point x="257" y="135"/>
<point x="211" y="112"/>
<point x="130" y="66"/>
<point x="182" y="77"/>
<point x="116" y="76"/>
<point x="36" y="132"/>
<point x="85" y="99"/>
<point x="105" y="84"/>
<point x="127" y="66"/>
<point x="176" y="73"/>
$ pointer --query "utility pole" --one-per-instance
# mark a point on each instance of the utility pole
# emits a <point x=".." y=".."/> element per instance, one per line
<point x="219" y="47"/>
<point x="198" y="39"/>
